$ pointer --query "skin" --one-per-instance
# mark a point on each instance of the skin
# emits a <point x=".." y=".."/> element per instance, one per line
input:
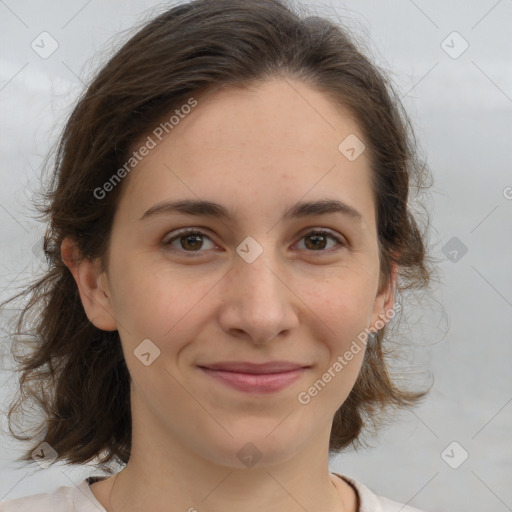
<point x="256" y="151"/>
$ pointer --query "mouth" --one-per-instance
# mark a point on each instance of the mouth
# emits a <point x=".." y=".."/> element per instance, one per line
<point x="255" y="378"/>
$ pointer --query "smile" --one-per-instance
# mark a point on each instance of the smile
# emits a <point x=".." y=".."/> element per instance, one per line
<point x="255" y="382"/>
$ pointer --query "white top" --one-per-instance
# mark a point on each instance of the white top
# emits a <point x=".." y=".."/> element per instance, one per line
<point x="81" y="499"/>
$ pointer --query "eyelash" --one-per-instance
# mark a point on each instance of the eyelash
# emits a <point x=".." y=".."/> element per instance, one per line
<point x="193" y="231"/>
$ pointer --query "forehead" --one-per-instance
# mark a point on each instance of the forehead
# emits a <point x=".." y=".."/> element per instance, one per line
<point x="277" y="141"/>
<point x="278" y="114"/>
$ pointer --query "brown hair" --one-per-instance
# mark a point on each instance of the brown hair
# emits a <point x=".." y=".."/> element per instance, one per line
<point x="76" y="372"/>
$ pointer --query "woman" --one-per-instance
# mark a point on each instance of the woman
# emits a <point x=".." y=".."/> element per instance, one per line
<point x="229" y="228"/>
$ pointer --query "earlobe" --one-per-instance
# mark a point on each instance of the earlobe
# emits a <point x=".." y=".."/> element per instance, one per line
<point x="92" y="286"/>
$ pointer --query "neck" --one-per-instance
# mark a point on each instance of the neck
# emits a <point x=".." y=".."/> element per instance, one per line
<point x="130" y="492"/>
<point x="164" y="471"/>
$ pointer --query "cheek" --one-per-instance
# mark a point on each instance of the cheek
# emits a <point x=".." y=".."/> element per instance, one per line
<point x="151" y="301"/>
<point x="344" y="306"/>
<point x="345" y="312"/>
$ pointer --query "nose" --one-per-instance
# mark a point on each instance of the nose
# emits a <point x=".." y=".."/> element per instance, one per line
<point x="257" y="301"/>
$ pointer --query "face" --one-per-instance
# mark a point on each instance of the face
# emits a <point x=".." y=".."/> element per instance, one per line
<point x="268" y="281"/>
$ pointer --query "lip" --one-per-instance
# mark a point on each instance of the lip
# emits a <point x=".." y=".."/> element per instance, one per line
<point x="255" y="368"/>
<point x="255" y="378"/>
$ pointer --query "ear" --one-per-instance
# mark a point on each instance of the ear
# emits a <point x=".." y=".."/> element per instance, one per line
<point x="384" y="301"/>
<point x="92" y="285"/>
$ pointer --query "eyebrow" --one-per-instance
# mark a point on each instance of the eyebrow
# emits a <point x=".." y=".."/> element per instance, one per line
<point x="211" y="209"/>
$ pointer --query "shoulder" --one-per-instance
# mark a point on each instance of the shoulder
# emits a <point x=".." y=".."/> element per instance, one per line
<point x="77" y="498"/>
<point x="56" y="501"/>
<point x="371" y="502"/>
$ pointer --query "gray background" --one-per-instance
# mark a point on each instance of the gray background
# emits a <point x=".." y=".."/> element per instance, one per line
<point x="461" y="106"/>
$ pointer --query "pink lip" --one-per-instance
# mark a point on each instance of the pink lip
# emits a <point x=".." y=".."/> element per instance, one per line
<point x="249" y="367"/>
<point x="256" y="382"/>
<point x="256" y="378"/>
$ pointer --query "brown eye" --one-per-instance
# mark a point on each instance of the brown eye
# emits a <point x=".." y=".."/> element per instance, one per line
<point x="317" y="241"/>
<point x="192" y="241"/>
<point x="187" y="241"/>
